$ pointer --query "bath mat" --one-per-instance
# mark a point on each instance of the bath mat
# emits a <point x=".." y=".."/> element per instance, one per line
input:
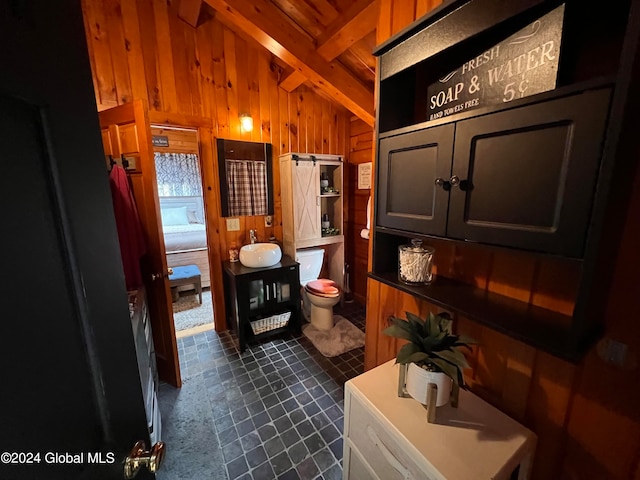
<point x="189" y="313"/>
<point x="344" y="336"/>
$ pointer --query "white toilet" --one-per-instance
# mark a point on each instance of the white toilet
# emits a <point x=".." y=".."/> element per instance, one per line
<point x="318" y="295"/>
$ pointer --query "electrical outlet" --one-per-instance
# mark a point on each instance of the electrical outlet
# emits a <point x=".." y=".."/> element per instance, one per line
<point x="268" y="221"/>
<point x="613" y="352"/>
<point x="616" y="353"/>
<point x="233" y="224"/>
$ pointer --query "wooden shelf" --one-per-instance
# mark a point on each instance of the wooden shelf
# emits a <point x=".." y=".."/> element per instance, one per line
<point x="317" y="242"/>
<point x="541" y="328"/>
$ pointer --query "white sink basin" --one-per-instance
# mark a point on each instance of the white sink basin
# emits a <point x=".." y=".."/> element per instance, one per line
<point x="259" y="255"/>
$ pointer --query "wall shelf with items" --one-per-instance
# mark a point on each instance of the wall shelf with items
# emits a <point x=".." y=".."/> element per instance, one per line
<point x="529" y="171"/>
<point x="536" y="326"/>
<point x="311" y="188"/>
<point x="421" y="79"/>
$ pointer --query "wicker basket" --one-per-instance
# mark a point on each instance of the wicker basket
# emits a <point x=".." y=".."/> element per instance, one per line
<point x="270" y="323"/>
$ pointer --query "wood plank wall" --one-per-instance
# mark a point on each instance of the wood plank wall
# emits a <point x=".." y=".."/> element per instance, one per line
<point x="141" y="49"/>
<point x="586" y="416"/>
<point x="360" y="151"/>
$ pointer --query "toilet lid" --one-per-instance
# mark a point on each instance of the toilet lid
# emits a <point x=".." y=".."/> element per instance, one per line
<point x="324" y="287"/>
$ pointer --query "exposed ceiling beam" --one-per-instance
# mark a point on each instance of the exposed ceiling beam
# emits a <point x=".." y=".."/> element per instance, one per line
<point x="292" y="81"/>
<point x="354" y="24"/>
<point x="263" y="21"/>
<point x="189" y="11"/>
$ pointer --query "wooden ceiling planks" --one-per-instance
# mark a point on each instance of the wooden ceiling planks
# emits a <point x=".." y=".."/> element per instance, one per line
<point x="313" y="17"/>
<point x="189" y="11"/>
<point x="293" y="80"/>
<point x="263" y="21"/>
<point x="356" y="22"/>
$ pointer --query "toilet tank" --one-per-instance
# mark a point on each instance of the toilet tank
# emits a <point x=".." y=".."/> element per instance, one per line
<point x="310" y="261"/>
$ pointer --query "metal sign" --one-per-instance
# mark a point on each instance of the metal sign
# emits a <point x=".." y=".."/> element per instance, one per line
<point x="524" y="64"/>
<point x="160" y="140"/>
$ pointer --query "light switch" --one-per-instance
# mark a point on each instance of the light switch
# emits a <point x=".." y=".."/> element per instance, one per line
<point x="233" y="224"/>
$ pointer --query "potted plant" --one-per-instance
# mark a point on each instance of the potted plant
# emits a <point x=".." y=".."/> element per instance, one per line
<point x="433" y="355"/>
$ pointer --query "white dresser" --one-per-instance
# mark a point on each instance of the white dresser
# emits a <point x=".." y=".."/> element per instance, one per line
<point x="387" y="437"/>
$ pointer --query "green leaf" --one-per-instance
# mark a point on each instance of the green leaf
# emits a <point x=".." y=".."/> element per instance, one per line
<point x="398" y="331"/>
<point x="418" y="357"/>
<point x="455" y="357"/>
<point x="434" y="324"/>
<point x="447" y="368"/>
<point x="405" y="352"/>
<point x="446" y="324"/>
<point x="416" y="322"/>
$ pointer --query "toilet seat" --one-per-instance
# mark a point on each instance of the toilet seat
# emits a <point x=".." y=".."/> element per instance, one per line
<point x="323" y="287"/>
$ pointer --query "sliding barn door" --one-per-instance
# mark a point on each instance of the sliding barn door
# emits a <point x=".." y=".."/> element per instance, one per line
<point x="126" y="132"/>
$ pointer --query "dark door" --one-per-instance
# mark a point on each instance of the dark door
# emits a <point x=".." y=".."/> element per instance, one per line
<point x="71" y="388"/>
<point x="527" y="175"/>
<point x="409" y="165"/>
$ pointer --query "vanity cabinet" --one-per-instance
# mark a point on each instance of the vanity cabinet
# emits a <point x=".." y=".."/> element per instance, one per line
<point x="146" y="356"/>
<point x="521" y="178"/>
<point x="305" y="203"/>
<point x="263" y="301"/>
<point x="387" y="437"/>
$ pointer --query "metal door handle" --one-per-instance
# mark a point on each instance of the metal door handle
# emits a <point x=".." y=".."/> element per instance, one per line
<point x="464" y="185"/>
<point x="140" y="457"/>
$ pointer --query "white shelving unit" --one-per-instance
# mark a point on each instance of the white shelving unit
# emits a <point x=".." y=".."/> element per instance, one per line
<point x="304" y="203"/>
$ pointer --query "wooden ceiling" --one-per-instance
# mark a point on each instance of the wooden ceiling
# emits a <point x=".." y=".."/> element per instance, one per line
<point x="326" y="43"/>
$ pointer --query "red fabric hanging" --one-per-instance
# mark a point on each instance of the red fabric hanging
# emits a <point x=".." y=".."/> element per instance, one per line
<point x="130" y="235"/>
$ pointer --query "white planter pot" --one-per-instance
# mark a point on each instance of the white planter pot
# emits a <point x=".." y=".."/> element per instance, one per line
<point x="417" y="380"/>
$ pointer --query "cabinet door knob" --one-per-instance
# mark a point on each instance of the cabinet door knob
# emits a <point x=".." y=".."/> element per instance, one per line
<point x="441" y="182"/>
<point x="464" y="185"/>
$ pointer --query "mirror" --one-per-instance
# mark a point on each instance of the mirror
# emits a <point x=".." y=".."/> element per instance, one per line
<point x="246" y="179"/>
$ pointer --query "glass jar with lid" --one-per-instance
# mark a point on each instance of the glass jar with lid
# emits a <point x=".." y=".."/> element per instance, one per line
<point x="415" y="263"/>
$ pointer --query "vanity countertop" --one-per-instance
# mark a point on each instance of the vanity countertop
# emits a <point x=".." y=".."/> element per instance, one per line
<point x="236" y="268"/>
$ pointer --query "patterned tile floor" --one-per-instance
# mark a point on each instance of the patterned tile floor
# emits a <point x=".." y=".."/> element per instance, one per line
<point x="272" y="412"/>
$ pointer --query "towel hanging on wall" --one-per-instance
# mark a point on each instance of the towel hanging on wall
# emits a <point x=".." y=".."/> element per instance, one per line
<point x="365" y="231"/>
<point x="130" y="236"/>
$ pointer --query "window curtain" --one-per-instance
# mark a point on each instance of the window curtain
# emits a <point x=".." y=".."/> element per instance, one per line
<point x="178" y="174"/>
<point x="259" y="184"/>
<point x="247" y="188"/>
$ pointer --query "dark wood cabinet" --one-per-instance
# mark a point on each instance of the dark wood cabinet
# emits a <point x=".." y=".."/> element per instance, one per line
<point x="521" y="178"/>
<point x="546" y="175"/>
<point x="408" y="198"/>
<point x="527" y="176"/>
<point x="262" y="301"/>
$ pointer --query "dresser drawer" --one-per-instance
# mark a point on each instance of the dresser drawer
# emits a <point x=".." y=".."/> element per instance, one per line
<point x="385" y="454"/>
<point x="355" y="467"/>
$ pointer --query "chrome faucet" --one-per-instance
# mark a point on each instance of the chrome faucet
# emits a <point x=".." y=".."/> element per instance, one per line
<point x="252" y="236"/>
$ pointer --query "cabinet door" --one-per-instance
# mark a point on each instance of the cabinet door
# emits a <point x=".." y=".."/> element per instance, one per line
<point x="409" y="164"/>
<point x="306" y="197"/>
<point x="528" y="175"/>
